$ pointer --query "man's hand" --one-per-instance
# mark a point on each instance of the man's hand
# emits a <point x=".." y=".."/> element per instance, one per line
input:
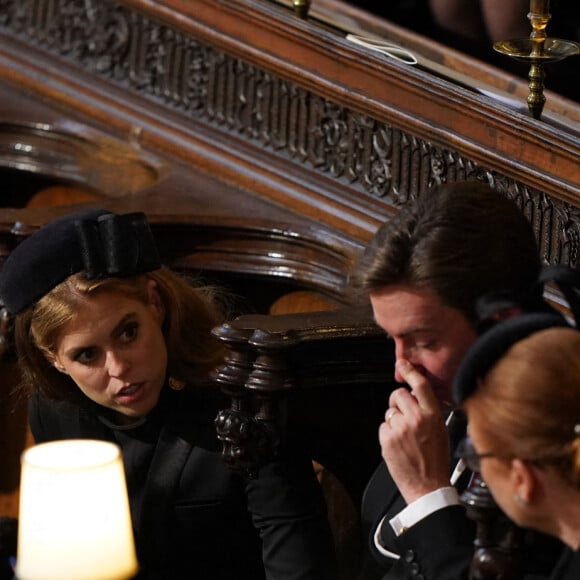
<point x="413" y="438"/>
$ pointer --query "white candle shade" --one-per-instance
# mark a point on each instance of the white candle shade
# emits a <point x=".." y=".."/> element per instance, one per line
<point x="74" y="518"/>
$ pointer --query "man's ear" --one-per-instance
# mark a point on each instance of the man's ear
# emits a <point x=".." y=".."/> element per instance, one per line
<point x="506" y="313"/>
<point x="523" y="480"/>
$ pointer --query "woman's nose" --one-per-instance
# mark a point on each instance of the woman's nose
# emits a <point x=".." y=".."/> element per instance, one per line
<point x="117" y="364"/>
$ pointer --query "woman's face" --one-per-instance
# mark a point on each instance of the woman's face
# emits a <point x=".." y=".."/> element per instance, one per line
<point x="496" y="471"/>
<point x="115" y="352"/>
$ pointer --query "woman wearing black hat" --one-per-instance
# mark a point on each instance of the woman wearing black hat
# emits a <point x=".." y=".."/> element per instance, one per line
<point x="520" y="386"/>
<point x="114" y="346"/>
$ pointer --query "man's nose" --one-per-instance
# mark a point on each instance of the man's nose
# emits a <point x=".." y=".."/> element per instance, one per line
<point x="401" y="353"/>
<point x="398" y="377"/>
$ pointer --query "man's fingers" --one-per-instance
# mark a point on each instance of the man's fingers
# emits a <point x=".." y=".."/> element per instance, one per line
<point x="411" y="375"/>
<point x="421" y="389"/>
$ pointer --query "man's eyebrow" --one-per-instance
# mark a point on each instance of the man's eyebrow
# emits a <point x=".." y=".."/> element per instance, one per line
<point x="414" y="330"/>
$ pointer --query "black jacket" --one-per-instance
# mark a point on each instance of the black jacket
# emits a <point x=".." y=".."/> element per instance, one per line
<point x="441" y="546"/>
<point x="568" y="567"/>
<point x="438" y="547"/>
<point x="193" y="516"/>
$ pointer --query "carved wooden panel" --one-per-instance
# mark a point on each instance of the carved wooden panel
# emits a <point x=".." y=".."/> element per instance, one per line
<point x="379" y="161"/>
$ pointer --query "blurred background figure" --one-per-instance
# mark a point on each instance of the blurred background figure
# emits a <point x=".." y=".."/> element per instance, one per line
<point x="482" y="20"/>
<point x="472" y="26"/>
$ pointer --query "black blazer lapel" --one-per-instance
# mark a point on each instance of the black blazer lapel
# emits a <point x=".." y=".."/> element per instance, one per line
<point x="171" y="454"/>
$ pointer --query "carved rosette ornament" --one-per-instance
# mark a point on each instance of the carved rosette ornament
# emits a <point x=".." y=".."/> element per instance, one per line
<point x="247" y="442"/>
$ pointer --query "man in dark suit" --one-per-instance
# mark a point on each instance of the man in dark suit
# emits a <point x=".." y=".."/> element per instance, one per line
<point x="424" y="272"/>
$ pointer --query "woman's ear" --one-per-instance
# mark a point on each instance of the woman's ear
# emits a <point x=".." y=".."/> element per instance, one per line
<point x="155" y="300"/>
<point x="55" y="362"/>
<point x="524" y="481"/>
<point x="60" y="368"/>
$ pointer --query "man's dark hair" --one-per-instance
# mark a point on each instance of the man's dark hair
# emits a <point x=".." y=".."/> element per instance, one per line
<point x="462" y="239"/>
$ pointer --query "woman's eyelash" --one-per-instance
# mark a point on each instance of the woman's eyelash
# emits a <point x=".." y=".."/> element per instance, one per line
<point x="130" y="329"/>
<point x="86" y="354"/>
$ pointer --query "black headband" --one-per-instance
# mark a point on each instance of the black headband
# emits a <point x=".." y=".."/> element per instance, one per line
<point x="494" y="343"/>
<point x="497" y="337"/>
<point x="99" y="243"/>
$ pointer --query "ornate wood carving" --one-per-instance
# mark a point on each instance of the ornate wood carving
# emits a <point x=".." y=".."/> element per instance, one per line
<point x="338" y="355"/>
<point x="145" y="56"/>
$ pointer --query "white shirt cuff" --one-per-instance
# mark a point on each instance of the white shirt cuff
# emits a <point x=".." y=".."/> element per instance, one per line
<point x="423" y="507"/>
<point x="379" y="546"/>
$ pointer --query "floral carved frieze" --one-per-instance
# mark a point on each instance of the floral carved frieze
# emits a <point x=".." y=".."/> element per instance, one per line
<point x="202" y="83"/>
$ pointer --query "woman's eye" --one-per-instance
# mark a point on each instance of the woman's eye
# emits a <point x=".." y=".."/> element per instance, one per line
<point x="85" y="356"/>
<point x="129" y="332"/>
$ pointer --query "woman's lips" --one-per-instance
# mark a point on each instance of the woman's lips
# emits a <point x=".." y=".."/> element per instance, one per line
<point x="131" y="393"/>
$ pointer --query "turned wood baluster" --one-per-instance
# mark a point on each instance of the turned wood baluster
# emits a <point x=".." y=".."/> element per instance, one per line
<point x="247" y="434"/>
<point x="321" y="380"/>
<point x="497" y="536"/>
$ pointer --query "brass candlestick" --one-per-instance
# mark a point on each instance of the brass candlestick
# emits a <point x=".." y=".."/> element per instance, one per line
<point x="538" y="50"/>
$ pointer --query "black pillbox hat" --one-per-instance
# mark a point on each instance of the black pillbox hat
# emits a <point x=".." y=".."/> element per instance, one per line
<point x="97" y="242"/>
<point x="490" y="347"/>
<point x="499" y="337"/>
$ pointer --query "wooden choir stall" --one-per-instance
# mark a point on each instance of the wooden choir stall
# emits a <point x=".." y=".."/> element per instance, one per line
<point x="266" y="147"/>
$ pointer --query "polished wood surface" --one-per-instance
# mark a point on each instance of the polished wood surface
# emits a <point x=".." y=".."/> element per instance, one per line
<point x="290" y="110"/>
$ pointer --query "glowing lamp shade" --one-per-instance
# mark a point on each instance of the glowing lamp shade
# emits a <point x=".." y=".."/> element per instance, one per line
<point x="74" y="519"/>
